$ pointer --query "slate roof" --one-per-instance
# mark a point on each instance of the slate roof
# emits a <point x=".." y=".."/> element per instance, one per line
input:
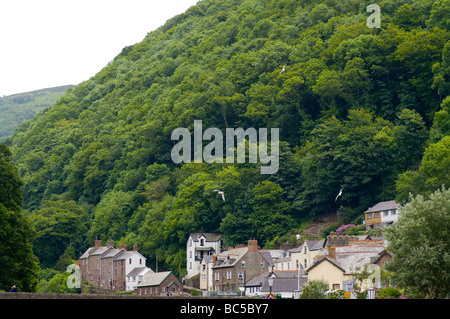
<point x="283" y="284"/>
<point x="230" y="257"/>
<point x="209" y="236"/>
<point x="136" y="271"/>
<point x="311" y="244"/>
<point x="381" y="206"/>
<point x="154" y="279"/>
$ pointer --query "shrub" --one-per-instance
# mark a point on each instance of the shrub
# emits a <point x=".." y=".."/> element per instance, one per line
<point x="389" y="293"/>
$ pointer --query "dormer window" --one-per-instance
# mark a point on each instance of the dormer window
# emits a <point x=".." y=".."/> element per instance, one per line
<point x="202" y="242"/>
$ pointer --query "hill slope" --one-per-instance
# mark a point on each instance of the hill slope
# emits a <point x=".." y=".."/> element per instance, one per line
<point x="356" y="108"/>
<point x="16" y="108"/>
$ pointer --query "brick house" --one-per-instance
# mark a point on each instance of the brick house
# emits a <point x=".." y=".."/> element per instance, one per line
<point x="232" y="268"/>
<point x="159" y="283"/>
<point x="106" y="267"/>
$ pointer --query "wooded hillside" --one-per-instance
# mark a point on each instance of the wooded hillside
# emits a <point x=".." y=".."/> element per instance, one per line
<point x="358" y="108"/>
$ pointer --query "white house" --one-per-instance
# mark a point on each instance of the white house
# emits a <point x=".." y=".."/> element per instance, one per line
<point x="132" y="259"/>
<point x="198" y="245"/>
<point x="135" y="276"/>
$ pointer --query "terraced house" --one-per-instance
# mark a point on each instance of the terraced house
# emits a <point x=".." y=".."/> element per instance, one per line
<point x="107" y="267"/>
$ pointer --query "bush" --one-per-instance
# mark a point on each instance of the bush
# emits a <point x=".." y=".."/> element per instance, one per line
<point x="389" y="293"/>
<point x="315" y="289"/>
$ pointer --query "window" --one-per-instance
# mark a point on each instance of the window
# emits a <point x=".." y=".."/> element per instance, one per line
<point x="240" y="274"/>
<point x="304" y="251"/>
<point x="369" y="215"/>
<point x="386" y="213"/>
<point x="243" y="263"/>
<point x="140" y="261"/>
<point x="393" y="212"/>
<point x="129" y="261"/>
<point x="228" y="274"/>
<point x="216" y="275"/>
<point x="202" y="242"/>
<point x="377" y="214"/>
<point x="304" y="263"/>
<point x="336" y="286"/>
<point x="262" y="264"/>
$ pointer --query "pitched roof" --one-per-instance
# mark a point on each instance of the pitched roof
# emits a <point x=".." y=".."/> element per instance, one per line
<point x="154" y="279"/>
<point x="391" y="204"/>
<point x="318" y="262"/>
<point x="230" y="257"/>
<point x="138" y="270"/>
<point x="208" y="236"/>
<point x="311" y="244"/>
<point x="283" y="284"/>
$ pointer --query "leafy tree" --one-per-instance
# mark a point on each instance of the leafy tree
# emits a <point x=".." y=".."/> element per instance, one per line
<point x="17" y="261"/>
<point x="314" y="289"/>
<point x="268" y="217"/>
<point x="420" y="247"/>
<point x="58" y="225"/>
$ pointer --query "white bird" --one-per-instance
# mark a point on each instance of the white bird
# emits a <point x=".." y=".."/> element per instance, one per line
<point x="284" y="69"/>
<point x="221" y="193"/>
<point x="340" y="193"/>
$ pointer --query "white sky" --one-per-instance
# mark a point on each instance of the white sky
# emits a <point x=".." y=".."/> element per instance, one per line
<point x="47" y="43"/>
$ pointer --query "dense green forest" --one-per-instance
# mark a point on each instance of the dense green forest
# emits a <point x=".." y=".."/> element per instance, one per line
<point x="16" y="108"/>
<point x="361" y="109"/>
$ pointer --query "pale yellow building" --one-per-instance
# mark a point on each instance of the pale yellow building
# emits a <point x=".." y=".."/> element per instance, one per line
<point x="329" y="271"/>
<point x="304" y="255"/>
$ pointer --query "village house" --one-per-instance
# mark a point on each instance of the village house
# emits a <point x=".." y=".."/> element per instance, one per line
<point x="106" y="267"/>
<point x="206" y="275"/>
<point x="160" y="284"/>
<point x="135" y="276"/>
<point x="198" y="245"/>
<point x="381" y="215"/>
<point x="303" y="256"/>
<point x="232" y="268"/>
<point x="343" y="257"/>
<point x="285" y="283"/>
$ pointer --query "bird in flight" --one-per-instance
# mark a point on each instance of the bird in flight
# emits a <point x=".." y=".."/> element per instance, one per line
<point x="284" y="69"/>
<point x="221" y="193"/>
<point x="340" y="193"/>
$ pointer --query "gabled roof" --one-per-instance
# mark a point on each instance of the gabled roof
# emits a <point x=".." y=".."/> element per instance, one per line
<point x="137" y="271"/>
<point x="323" y="259"/>
<point x="229" y="258"/>
<point x="156" y="278"/>
<point x="311" y="244"/>
<point x="208" y="236"/>
<point x="391" y="204"/>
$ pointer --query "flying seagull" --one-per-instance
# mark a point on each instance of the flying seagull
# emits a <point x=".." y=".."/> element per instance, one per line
<point x="221" y="193"/>
<point x="340" y="193"/>
<point x="284" y="69"/>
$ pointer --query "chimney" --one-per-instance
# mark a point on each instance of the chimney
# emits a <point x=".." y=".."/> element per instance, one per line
<point x="110" y="244"/>
<point x="332" y="252"/>
<point x="253" y="245"/>
<point x="214" y="259"/>
<point x="98" y="242"/>
<point x="135" y="247"/>
<point x="123" y="246"/>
